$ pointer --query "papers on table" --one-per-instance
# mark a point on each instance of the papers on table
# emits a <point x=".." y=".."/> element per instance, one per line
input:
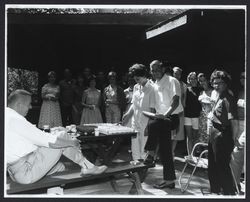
<point x="109" y="129"/>
<point x="149" y="114"/>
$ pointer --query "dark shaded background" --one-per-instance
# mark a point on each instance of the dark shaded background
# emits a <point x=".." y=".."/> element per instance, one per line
<point x="211" y="39"/>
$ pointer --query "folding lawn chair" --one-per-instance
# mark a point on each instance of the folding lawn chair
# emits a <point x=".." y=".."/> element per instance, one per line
<point x="199" y="161"/>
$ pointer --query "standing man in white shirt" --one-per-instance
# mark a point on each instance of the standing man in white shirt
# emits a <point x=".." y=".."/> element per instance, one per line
<point x="32" y="153"/>
<point x="168" y="107"/>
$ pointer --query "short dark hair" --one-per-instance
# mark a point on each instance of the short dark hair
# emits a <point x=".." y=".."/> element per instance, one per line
<point x="52" y="73"/>
<point x="16" y="95"/>
<point x="112" y="74"/>
<point x="139" y="70"/>
<point x="92" y="78"/>
<point x="220" y="74"/>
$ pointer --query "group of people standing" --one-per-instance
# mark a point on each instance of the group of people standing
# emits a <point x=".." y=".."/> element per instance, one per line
<point x="87" y="99"/>
<point x="206" y="108"/>
<point x="202" y="110"/>
<point x="213" y="114"/>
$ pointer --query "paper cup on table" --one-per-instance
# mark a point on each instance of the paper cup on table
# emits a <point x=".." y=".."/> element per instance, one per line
<point x="97" y="132"/>
<point x="46" y="128"/>
<point x="73" y="128"/>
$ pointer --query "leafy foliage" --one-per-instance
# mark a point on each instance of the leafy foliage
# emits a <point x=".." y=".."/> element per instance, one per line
<point x="22" y="79"/>
<point x="142" y="11"/>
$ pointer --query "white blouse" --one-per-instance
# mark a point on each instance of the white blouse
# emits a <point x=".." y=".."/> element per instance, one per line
<point x="22" y="137"/>
<point x="143" y="99"/>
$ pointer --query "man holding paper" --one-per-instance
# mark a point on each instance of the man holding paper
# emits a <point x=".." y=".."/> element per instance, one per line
<point x="168" y="106"/>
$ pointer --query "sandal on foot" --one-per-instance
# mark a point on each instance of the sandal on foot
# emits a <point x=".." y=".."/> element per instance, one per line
<point x="164" y="184"/>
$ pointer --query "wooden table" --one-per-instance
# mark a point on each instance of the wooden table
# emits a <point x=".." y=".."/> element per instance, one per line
<point x="97" y="144"/>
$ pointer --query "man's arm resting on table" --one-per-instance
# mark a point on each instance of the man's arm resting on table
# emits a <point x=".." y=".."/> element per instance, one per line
<point x="62" y="142"/>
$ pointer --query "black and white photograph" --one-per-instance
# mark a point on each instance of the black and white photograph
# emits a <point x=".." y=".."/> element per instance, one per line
<point x="125" y="101"/>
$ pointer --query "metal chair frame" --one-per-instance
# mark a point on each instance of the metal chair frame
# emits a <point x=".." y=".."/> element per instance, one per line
<point x="197" y="163"/>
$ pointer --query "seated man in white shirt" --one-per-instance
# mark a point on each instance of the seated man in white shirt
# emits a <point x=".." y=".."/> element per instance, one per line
<point x="32" y="153"/>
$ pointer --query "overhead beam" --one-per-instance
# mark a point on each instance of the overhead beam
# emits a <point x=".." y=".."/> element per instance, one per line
<point x="162" y="28"/>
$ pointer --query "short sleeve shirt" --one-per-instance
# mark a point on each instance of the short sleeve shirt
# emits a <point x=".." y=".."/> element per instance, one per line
<point x="143" y="99"/>
<point x="165" y="90"/>
<point x="21" y="137"/>
<point x="67" y="92"/>
<point x="111" y="94"/>
<point x="224" y="110"/>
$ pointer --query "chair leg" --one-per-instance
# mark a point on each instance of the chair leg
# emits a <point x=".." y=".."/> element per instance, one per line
<point x="190" y="177"/>
<point x="180" y="178"/>
<point x="185" y="186"/>
<point x="235" y="182"/>
<point x="195" y="164"/>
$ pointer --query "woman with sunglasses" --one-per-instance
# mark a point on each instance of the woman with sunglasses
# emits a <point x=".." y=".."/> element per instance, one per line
<point x="223" y="129"/>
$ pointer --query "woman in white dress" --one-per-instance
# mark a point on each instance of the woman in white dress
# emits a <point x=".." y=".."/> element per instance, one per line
<point x="50" y="113"/>
<point x="143" y="100"/>
<point x="91" y="101"/>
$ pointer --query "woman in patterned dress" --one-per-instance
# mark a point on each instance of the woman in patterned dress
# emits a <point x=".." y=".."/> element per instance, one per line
<point x="206" y="105"/>
<point x="50" y="113"/>
<point x="91" y="101"/>
<point x="114" y="99"/>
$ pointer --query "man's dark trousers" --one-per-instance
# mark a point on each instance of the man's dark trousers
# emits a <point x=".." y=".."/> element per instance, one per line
<point x="159" y="132"/>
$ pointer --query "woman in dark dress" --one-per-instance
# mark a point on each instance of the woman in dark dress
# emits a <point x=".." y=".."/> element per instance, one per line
<point x="223" y="127"/>
<point x="192" y="112"/>
<point x="77" y="106"/>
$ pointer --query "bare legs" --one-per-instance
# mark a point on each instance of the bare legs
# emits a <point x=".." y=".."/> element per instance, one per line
<point x="191" y="135"/>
